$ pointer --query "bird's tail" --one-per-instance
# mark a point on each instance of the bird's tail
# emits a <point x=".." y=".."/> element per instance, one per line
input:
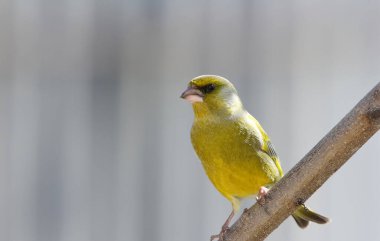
<point x="304" y="215"/>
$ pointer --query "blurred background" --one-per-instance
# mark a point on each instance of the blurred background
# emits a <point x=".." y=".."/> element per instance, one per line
<point x="94" y="139"/>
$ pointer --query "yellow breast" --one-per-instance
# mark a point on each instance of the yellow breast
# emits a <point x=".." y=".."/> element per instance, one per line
<point x="231" y="158"/>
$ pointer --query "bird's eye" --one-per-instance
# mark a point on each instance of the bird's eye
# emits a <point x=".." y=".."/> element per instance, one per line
<point x="208" y="88"/>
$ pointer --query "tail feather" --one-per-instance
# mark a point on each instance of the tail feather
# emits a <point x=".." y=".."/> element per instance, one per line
<point x="303" y="215"/>
<point x="302" y="223"/>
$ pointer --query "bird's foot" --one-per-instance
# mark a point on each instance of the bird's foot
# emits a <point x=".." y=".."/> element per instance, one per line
<point x="220" y="236"/>
<point x="261" y="195"/>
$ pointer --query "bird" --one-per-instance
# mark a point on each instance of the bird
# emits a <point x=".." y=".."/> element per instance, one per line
<point x="235" y="151"/>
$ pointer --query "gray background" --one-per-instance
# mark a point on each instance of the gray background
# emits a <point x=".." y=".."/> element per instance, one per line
<point x="94" y="140"/>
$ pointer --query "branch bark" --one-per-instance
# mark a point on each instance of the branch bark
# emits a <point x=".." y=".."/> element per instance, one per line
<point x="311" y="172"/>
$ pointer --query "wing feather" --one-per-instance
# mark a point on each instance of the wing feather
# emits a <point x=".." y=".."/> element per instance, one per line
<point x="264" y="143"/>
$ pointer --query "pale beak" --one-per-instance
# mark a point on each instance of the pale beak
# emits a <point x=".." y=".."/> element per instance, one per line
<point x="192" y="94"/>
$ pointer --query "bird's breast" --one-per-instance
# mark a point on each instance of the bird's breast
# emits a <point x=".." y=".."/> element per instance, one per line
<point x="231" y="163"/>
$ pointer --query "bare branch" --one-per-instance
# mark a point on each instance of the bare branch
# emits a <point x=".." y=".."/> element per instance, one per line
<point x="312" y="171"/>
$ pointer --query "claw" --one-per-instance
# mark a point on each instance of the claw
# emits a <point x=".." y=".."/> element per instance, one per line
<point x="245" y="210"/>
<point x="220" y="236"/>
<point x="261" y="195"/>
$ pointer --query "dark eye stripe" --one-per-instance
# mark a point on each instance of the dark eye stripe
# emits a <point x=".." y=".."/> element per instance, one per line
<point x="208" y="88"/>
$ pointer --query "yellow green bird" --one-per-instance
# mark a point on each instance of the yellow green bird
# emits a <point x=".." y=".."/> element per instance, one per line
<point x="234" y="149"/>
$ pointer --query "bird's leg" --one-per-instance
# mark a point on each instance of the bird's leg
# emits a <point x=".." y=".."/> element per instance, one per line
<point x="225" y="227"/>
<point x="261" y="195"/>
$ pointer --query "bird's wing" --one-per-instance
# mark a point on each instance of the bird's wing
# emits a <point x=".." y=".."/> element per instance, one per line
<point x="265" y="144"/>
<point x="269" y="150"/>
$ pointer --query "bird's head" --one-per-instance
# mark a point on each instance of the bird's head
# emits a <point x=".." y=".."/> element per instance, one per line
<point x="212" y="94"/>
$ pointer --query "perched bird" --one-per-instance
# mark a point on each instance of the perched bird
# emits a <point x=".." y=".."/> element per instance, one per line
<point x="234" y="149"/>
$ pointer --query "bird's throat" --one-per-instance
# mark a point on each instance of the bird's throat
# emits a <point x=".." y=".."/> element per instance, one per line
<point x="203" y="110"/>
